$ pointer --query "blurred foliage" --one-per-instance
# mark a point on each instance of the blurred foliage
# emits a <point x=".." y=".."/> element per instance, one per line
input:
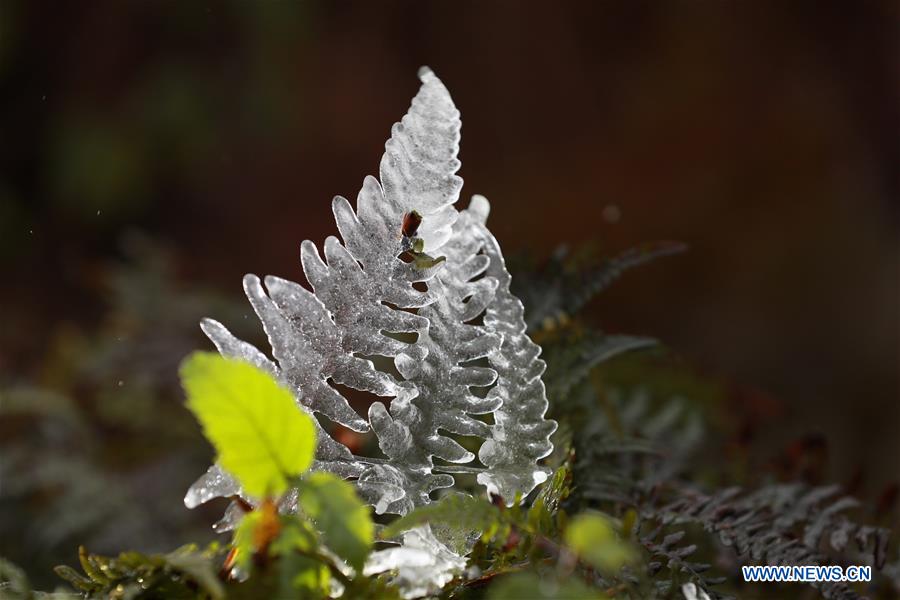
<point x="567" y="281"/>
<point x="184" y="573"/>
<point x="97" y="448"/>
<point x="643" y="501"/>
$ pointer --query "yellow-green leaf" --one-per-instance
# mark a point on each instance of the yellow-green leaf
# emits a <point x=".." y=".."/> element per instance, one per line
<point x="592" y="537"/>
<point x="260" y="434"/>
<point x="345" y="522"/>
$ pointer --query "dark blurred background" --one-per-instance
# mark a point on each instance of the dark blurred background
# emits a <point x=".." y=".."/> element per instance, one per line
<point x="151" y="153"/>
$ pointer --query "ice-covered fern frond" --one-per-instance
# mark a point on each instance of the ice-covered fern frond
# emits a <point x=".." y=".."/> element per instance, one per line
<point x="415" y="280"/>
<point x="520" y="435"/>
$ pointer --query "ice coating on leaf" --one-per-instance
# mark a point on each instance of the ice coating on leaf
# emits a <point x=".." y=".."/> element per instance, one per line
<point x="228" y="345"/>
<point x="367" y="298"/>
<point x="520" y="435"/>
<point x="383" y="486"/>
<point x="358" y="299"/>
<point x="215" y="483"/>
<point x="324" y="336"/>
<point x="232" y="347"/>
<point x="418" y="169"/>
<point x="422" y="565"/>
<point x="233" y="515"/>
<point x="307" y="345"/>
<point x="237" y="509"/>
<point x="410" y="433"/>
<point x="330" y="454"/>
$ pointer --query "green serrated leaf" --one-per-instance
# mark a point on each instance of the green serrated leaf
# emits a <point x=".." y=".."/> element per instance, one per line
<point x="345" y="522"/>
<point x="260" y="434"/>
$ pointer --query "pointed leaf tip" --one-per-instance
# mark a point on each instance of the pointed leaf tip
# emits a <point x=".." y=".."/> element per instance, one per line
<point x="480" y="208"/>
<point x="425" y="73"/>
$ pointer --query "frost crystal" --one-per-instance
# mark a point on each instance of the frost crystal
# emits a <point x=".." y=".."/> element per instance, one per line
<point x="448" y="320"/>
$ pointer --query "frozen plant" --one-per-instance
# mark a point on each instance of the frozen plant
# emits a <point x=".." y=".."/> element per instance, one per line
<point x="408" y="262"/>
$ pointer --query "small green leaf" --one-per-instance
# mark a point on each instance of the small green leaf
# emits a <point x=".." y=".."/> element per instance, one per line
<point x="592" y="537"/>
<point x="345" y="522"/>
<point x="260" y="434"/>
